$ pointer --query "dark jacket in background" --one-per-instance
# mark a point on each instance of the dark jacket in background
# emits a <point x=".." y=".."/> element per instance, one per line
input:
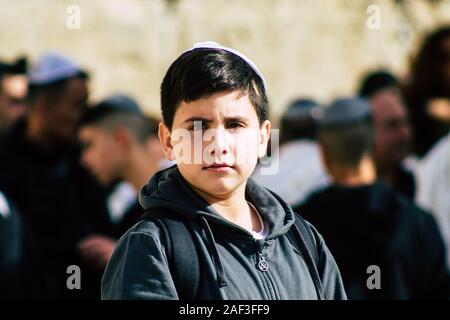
<point x="375" y="225"/>
<point x="60" y="204"/>
<point x="405" y="182"/>
<point x="11" y="250"/>
<point x="138" y="268"/>
<point x="131" y="216"/>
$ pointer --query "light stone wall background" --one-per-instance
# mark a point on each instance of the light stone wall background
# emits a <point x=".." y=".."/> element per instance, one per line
<point x="314" y="48"/>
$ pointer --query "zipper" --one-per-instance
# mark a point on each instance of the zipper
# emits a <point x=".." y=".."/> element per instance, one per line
<point x="263" y="266"/>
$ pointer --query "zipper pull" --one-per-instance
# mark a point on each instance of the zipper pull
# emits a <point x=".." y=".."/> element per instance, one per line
<point x="262" y="263"/>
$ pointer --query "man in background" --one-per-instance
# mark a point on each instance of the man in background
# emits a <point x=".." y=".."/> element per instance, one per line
<point x="120" y="144"/>
<point x="40" y="173"/>
<point x="392" y="130"/>
<point x="367" y="225"/>
<point x="13" y="91"/>
<point x="300" y="169"/>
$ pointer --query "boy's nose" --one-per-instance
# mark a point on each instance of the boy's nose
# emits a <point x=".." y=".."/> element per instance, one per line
<point x="221" y="143"/>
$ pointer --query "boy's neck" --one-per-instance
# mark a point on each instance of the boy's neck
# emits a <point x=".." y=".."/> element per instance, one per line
<point x="234" y="208"/>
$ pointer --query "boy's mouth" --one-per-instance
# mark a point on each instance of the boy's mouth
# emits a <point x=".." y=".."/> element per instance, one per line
<point x="218" y="167"/>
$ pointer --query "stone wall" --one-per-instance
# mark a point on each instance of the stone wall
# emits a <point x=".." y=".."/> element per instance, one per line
<point x="310" y="48"/>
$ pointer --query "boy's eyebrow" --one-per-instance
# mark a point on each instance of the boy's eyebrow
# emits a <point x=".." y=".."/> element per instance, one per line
<point x="192" y="119"/>
<point x="232" y="118"/>
<point x="237" y="118"/>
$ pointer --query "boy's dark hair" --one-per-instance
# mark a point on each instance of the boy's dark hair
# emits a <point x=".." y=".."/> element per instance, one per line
<point x="376" y="81"/>
<point x="203" y="72"/>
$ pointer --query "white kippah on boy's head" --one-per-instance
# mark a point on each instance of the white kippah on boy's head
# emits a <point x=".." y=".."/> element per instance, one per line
<point x="215" y="45"/>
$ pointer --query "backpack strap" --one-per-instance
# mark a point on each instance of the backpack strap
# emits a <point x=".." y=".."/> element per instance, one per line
<point x="305" y="239"/>
<point x="181" y="252"/>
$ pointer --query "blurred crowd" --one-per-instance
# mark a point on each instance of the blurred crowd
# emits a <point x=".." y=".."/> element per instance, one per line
<point x="371" y="172"/>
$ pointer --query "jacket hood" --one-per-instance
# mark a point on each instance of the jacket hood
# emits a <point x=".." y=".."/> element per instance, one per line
<point x="167" y="189"/>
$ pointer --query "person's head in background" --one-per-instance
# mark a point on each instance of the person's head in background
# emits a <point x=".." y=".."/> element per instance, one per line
<point x="298" y="121"/>
<point x="58" y="94"/>
<point x="345" y="135"/>
<point x="13" y="92"/>
<point x="119" y="142"/>
<point x="427" y="90"/>
<point x="392" y="130"/>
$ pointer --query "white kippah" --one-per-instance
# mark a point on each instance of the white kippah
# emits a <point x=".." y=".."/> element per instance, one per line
<point x="52" y="67"/>
<point x="215" y="45"/>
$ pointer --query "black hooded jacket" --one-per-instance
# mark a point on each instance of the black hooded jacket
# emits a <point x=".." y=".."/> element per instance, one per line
<point x="228" y="254"/>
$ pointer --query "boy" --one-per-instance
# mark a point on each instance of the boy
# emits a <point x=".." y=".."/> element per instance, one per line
<point x="247" y="242"/>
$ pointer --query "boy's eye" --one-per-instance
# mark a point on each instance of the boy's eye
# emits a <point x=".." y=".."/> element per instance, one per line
<point x="234" y="125"/>
<point x="197" y="125"/>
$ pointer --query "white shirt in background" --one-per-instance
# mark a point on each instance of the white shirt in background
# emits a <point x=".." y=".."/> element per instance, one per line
<point x="433" y="186"/>
<point x="300" y="172"/>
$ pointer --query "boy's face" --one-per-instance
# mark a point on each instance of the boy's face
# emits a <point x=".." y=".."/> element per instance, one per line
<point x="216" y="142"/>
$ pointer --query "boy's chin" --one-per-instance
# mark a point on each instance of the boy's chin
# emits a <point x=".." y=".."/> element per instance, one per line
<point x="219" y="188"/>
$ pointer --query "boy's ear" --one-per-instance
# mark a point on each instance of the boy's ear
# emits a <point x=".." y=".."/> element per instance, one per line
<point x="165" y="139"/>
<point x="263" y="139"/>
